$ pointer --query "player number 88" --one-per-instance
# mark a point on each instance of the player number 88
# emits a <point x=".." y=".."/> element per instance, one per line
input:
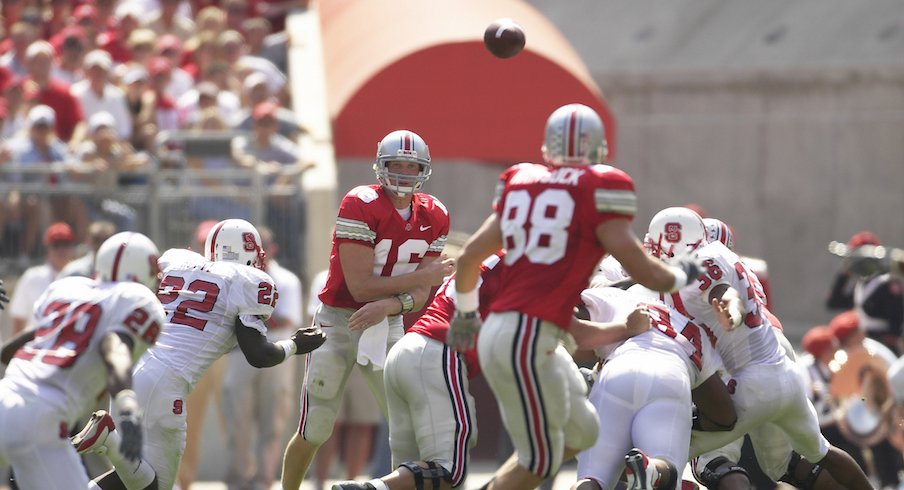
<point x="549" y="215"/>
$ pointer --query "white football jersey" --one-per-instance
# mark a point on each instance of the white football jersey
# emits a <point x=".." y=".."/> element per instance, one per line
<point x="753" y="341"/>
<point x="63" y="364"/>
<point x="670" y="332"/>
<point x="202" y="300"/>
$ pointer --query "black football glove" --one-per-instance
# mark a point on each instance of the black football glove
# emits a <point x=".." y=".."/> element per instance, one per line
<point x="128" y="424"/>
<point x="307" y="339"/>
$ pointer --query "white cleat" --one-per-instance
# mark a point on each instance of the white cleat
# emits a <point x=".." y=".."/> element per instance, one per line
<point x="641" y="475"/>
<point x="91" y="439"/>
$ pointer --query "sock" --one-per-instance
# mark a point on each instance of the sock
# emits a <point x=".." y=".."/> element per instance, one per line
<point x="134" y="474"/>
<point x="377" y="484"/>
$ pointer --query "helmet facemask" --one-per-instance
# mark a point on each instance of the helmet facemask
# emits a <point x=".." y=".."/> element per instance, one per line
<point x="402" y="146"/>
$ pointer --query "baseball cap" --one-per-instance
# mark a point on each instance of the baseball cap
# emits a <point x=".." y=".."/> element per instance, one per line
<point x="264" y="109"/>
<point x="863" y="238"/>
<point x="134" y="74"/>
<point x="844" y="325"/>
<point x="202" y="230"/>
<point x="99" y="58"/>
<point x="84" y="11"/>
<point x="818" y="340"/>
<point x="100" y="120"/>
<point x="58" y="232"/>
<point x="41" y="114"/>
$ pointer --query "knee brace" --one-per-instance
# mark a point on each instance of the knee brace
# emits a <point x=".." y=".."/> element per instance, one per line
<point x="318" y="424"/>
<point x="433" y="471"/>
<point x="717" y="469"/>
<point x="808" y="480"/>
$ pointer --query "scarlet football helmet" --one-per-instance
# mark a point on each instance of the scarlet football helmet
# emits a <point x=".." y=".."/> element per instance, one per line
<point x="402" y="146"/>
<point x="574" y="136"/>
<point x="718" y="231"/>
<point x="675" y="233"/>
<point x="128" y="256"/>
<point x="235" y="240"/>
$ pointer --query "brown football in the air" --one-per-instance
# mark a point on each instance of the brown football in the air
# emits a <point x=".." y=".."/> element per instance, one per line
<point x="504" y="38"/>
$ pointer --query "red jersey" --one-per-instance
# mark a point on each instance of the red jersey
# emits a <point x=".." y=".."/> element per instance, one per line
<point x="68" y="109"/>
<point x="368" y="217"/>
<point x="434" y="323"/>
<point x="548" y="217"/>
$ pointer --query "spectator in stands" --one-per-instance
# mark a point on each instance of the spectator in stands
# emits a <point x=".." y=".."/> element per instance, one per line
<point x="106" y="14"/>
<point x="22" y="35"/>
<point x="69" y="117"/>
<point x="221" y="74"/>
<point x="127" y="18"/>
<point x="211" y="18"/>
<point x="276" y="10"/>
<point x="170" y="47"/>
<point x="203" y="96"/>
<point x="168" y="20"/>
<point x="141" y="46"/>
<point x="110" y="157"/>
<point x="234" y="51"/>
<point x="257" y="91"/>
<point x="282" y="161"/>
<point x="878" y="299"/>
<point x="70" y="44"/>
<point x="97" y="94"/>
<point x="60" y="244"/>
<point x="140" y="102"/>
<point x="83" y="266"/>
<point x="202" y="51"/>
<point x="257" y="402"/>
<point x="14" y="95"/>
<point x="236" y="13"/>
<point x="85" y="16"/>
<point x="58" y="16"/>
<point x="216" y="207"/>
<point x="264" y="42"/>
<point x="166" y="117"/>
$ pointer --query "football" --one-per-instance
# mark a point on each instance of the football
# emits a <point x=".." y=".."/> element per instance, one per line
<point x="504" y="38"/>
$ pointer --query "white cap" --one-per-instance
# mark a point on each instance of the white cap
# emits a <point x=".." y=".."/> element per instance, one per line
<point x="127" y="9"/>
<point x="99" y="120"/>
<point x="37" y="48"/>
<point x="134" y="74"/>
<point x="98" y="57"/>
<point x="41" y="114"/>
<point x="253" y="80"/>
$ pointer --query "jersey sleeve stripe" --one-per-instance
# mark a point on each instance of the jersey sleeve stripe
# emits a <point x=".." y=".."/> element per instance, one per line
<point x="438" y="244"/>
<point x="615" y="201"/>
<point x="354" y="230"/>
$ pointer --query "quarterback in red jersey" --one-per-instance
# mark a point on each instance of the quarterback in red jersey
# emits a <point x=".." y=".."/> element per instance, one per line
<point x="386" y="245"/>
<point x="555" y="221"/>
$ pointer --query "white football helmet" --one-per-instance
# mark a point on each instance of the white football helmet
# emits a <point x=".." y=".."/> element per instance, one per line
<point x="235" y="240"/>
<point x="574" y="135"/>
<point x="128" y="256"/>
<point x="675" y="233"/>
<point x="718" y="231"/>
<point x="406" y="146"/>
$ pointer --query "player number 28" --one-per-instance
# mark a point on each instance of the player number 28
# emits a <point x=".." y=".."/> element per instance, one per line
<point x="549" y="214"/>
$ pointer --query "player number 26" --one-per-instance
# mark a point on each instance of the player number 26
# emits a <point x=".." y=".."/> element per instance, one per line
<point x="549" y="215"/>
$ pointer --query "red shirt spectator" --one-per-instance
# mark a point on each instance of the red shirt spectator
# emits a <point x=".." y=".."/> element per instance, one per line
<point x="39" y="59"/>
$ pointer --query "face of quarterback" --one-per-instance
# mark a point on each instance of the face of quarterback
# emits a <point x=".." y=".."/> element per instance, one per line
<point x="399" y="169"/>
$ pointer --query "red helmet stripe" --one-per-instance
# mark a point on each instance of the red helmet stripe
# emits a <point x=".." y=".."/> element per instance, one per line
<point x="571" y="134"/>
<point x="723" y="229"/>
<point x="409" y="142"/>
<point x="115" y="270"/>
<point x="213" y="240"/>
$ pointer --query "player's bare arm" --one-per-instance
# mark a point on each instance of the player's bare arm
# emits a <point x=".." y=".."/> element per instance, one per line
<point x="262" y="353"/>
<point x="727" y="304"/>
<point x="590" y="335"/>
<point x="616" y="236"/>
<point x="715" y="410"/>
<point x="116" y="352"/>
<point x="9" y="348"/>
<point x="357" y="265"/>
<point x="486" y="241"/>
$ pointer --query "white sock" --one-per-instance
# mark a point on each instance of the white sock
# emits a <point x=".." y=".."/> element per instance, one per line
<point x="136" y="475"/>
<point x="378" y="484"/>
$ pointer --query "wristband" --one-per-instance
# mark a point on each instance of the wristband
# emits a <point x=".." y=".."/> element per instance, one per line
<point x="466" y="301"/>
<point x="680" y="278"/>
<point x="288" y="346"/>
<point x="407" y="301"/>
<point x="126" y="401"/>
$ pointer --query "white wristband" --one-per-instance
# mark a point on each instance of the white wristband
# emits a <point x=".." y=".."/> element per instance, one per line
<point x="680" y="278"/>
<point x="288" y="346"/>
<point x="467" y="301"/>
<point x="126" y="401"/>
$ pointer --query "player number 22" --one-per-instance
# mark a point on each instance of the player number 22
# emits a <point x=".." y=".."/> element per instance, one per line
<point x="548" y="215"/>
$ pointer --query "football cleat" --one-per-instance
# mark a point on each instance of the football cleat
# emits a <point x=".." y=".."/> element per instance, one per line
<point x="91" y="439"/>
<point x="352" y="485"/>
<point x="640" y="473"/>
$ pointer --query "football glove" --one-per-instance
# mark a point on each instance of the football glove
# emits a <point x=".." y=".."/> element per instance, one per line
<point x="463" y="330"/>
<point x="128" y="424"/>
<point x="307" y="339"/>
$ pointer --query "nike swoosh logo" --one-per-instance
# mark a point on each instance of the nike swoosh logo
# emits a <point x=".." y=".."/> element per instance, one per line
<point x="425" y="228"/>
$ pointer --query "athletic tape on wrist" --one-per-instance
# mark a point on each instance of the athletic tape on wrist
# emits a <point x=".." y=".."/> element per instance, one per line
<point x="467" y="301"/>
<point x="289" y="347"/>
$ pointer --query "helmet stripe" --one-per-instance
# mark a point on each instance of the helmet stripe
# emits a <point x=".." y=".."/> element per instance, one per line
<point x="213" y="240"/>
<point x="570" y="134"/>
<point x="723" y="230"/>
<point x="115" y="270"/>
